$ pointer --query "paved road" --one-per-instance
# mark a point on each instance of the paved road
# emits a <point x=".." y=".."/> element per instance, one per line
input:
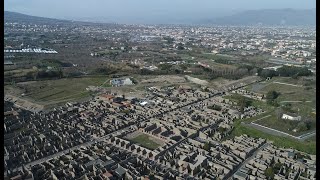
<point x="181" y="141"/>
<point x="307" y="135"/>
<point x="280" y="133"/>
<point x="71" y="149"/>
<point x="246" y="160"/>
<point x="194" y="134"/>
<point x="293" y="101"/>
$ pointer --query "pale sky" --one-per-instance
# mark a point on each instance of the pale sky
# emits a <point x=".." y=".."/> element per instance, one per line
<point x="140" y="10"/>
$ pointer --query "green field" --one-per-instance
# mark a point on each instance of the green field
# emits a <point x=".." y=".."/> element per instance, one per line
<point x="283" y="125"/>
<point x="288" y="92"/>
<point x="145" y="140"/>
<point x="308" y="146"/>
<point x="302" y="103"/>
<point x="273" y="121"/>
<point x="187" y="57"/>
<point x="302" y="99"/>
<point x="305" y="107"/>
<point x="215" y="56"/>
<point x="55" y="91"/>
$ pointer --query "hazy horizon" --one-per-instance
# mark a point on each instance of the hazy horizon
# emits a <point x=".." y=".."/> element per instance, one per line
<point x="145" y="11"/>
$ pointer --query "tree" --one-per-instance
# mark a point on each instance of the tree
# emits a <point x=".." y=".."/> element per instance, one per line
<point x="295" y="76"/>
<point x="267" y="73"/>
<point x="269" y="173"/>
<point x="277" y="167"/>
<point x="169" y="39"/>
<point x="183" y="66"/>
<point x="271" y="98"/>
<point x="289" y="71"/>
<point x="206" y="146"/>
<point x="272" y="95"/>
<point x="308" y="123"/>
<point x="253" y="71"/>
<point x="215" y="107"/>
<point x="180" y="48"/>
<point x="222" y="129"/>
<point x="145" y="72"/>
<point x="177" y="71"/>
<point x="151" y="177"/>
<point x="243" y="102"/>
<point x="302" y="127"/>
<point x="60" y="73"/>
<point x="31" y="75"/>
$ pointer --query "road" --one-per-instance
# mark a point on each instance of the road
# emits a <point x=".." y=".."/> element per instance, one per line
<point x="71" y="149"/>
<point x="276" y="82"/>
<point x="246" y="160"/>
<point x="183" y="140"/>
<point x="121" y="130"/>
<point x="307" y="135"/>
<point x="293" y="101"/>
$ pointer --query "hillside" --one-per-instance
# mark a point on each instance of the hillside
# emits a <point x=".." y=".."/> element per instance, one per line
<point x="269" y="17"/>
<point x="18" y="17"/>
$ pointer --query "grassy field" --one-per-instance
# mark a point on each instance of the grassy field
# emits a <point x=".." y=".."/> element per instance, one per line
<point x="55" y="91"/>
<point x="214" y="64"/>
<point x="308" y="146"/>
<point x="215" y="56"/>
<point x="270" y="121"/>
<point x="305" y="97"/>
<point x="187" y="57"/>
<point x="145" y="140"/>
<point x="256" y="103"/>
<point x="288" y="93"/>
<point x="299" y="81"/>
<point x="18" y="72"/>
<point x="287" y="126"/>
<point x="283" y="125"/>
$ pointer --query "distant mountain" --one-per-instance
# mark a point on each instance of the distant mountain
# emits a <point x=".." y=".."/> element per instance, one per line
<point x="18" y="17"/>
<point x="23" y="18"/>
<point x="290" y="17"/>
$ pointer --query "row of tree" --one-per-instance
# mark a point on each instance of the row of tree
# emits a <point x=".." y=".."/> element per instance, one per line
<point x="45" y="74"/>
<point x="285" y="71"/>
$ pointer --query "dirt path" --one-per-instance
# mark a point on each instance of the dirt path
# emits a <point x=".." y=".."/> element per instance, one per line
<point x="24" y="104"/>
<point x="276" y="82"/>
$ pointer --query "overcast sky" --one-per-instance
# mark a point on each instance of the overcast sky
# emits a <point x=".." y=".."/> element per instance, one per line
<point x="126" y="10"/>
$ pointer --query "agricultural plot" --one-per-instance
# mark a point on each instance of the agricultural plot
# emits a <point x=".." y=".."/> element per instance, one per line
<point x="18" y="72"/>
<point x="55" y="91"/>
